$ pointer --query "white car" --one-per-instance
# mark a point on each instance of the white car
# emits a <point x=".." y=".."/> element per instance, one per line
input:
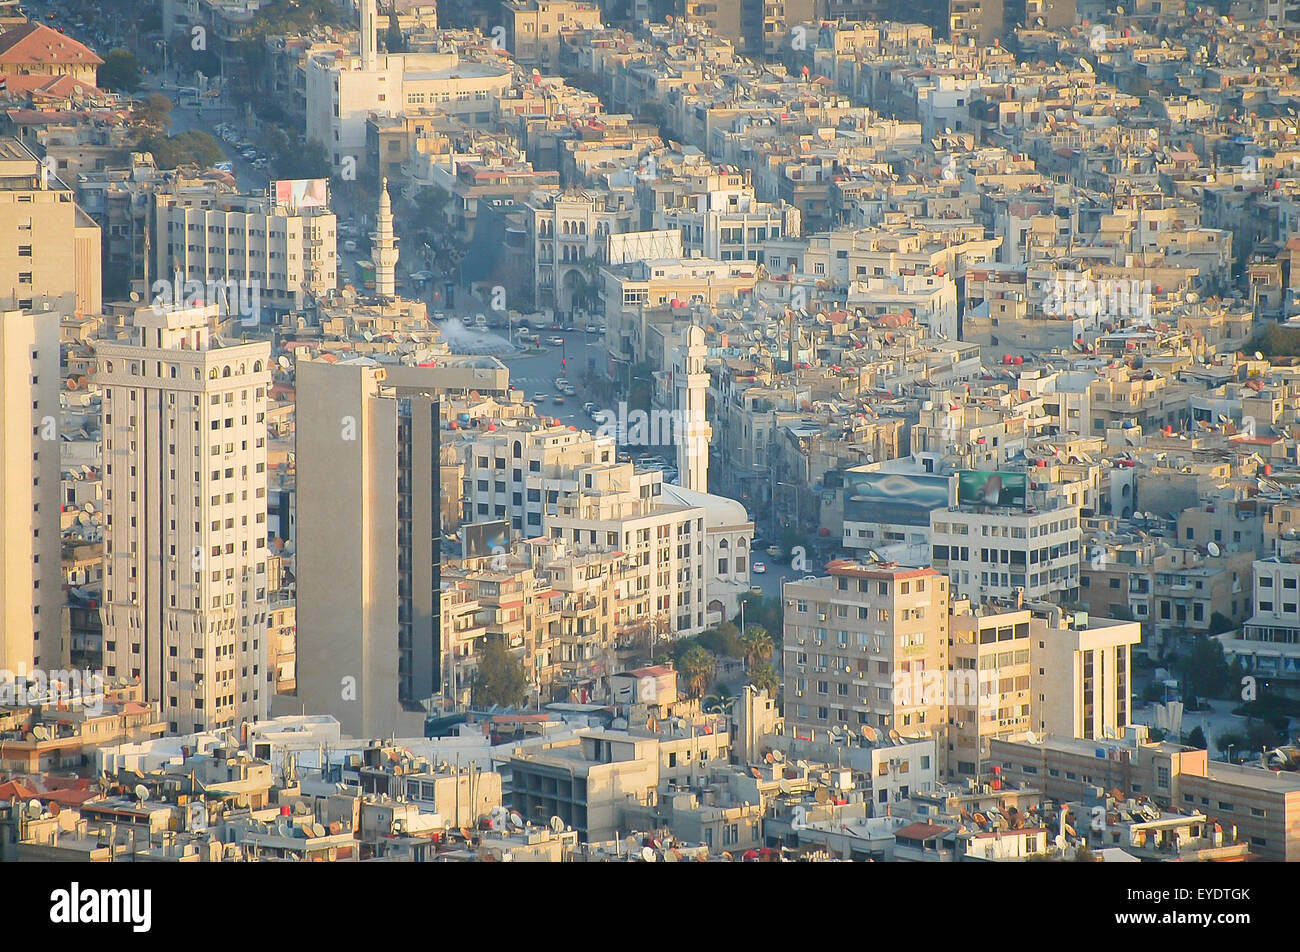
<point x="758" y="568"/>
<point x="555" y="341"/>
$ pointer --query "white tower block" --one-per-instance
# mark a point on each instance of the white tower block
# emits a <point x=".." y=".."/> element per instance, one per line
<point x="690" y="389"/>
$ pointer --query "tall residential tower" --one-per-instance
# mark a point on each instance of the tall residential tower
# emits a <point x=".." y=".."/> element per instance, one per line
<point x="185" y="554"/>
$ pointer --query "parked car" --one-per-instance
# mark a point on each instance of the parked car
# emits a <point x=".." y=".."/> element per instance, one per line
<point x="773" y="551"/>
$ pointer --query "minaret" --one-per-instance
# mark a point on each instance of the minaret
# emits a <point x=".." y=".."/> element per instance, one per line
<point x="690" y="386"/>
<point x="385" y="247"/>
<point x="369" y="40"/>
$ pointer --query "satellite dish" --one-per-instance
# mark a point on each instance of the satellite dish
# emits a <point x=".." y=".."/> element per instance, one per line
<point x="1060" y="842"/>
<point x="1213" y="549"/>
<point x="557" y="824"/>
<point x="895" y="736"/>
<point x="516" y="820"/>
<point x="40" y="732"/>
<point x="647" y="854"/>
<point x="631" y="845"/>
<point x="34" y="809"/>
<point x="283" y="361"/>
<point x="141" y="792"/>
<point x="1031" y="737"/>
<point x="1258" y="355"/>
<point x="869" y="734"/>
<point x="778" y="755"/>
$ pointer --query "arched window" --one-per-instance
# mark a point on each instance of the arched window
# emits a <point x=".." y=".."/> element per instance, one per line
<point x="519" y="449"/>
<point x="582" y="227"/>
<point x="225" y="371"/>
<point x="212" y="374"/>
<point x="108" y="366"/>
<point x="723" y="544"/>
<point x="257" y="366"/>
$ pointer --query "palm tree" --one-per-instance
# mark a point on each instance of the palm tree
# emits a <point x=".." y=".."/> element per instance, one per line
<point x="758" y="645"/>
<point x="764" y="678"/>
<point x="696" y="666"/>
<point x="719" y="702"/>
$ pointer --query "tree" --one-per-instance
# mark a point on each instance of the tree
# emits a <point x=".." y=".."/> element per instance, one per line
<point x="1197" y="738"/>
<point x="153" y="113"/>
<point x="763" y="677"/>
<point x="303" y="162"/>
<point x="187" y="148"/>
<point x="500" y="678"/>
<point x="1219" y="623"/>
<point x="758" y="645"/>
<point x="120" y="71"/>
<point x="696" y="667"/>
<point x="393" y="39"/>
<point x="1204" y="669"/>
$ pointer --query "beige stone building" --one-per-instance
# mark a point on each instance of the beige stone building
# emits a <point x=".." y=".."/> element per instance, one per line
<point x="185" y="548"/>
<point x="861" y="644"/>
<point x="52" y="253"/>
<point x="30" y="586"/>
<point x="368" y="546"/>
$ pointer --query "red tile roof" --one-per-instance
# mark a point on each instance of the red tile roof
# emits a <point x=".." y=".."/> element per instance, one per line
<point x="920" y="831"/>
<point x="37" y="43"/>
<point x="39" y="84"/>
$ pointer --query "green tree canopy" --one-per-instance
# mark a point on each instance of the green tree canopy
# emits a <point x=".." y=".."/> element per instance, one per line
<point x="1197" y="738"/>
<point x="1204" y="669"/>
<point x="188" y="148"/>
<point x="500" y="678"/>
<point x="120" y="71"/>
<point x="153" y="113"/>
<point x="763" y="676"/>
<point x="758" y="645"/>
<point x="696" y="669"/>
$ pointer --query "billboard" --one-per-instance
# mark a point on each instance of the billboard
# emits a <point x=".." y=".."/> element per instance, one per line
<point x="482" y="539"/>
<point x="893" y="497"/>
<point x="301" y="193"/>
<point x="980" y="487"/>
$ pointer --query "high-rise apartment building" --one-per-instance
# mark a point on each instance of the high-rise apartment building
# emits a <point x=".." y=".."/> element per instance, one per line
<point x="369" y="531"/>
<point x="30" y="586"/>
<point x="51" y="253"/>
<point x="185" y="548"/>
<point x="862" y="645"/>
<point x="207" y="234"/>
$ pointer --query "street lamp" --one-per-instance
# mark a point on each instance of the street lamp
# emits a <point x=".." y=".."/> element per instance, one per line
<point x="1230" y="746"/>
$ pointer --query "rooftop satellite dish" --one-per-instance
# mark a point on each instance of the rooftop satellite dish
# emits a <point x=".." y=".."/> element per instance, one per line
<point x="1213" y="549"/>
<point x="631" y="845"/>
<point x="34" y="809"/>
<point x="869" y="734"/>
<point x="516" y="820"/>
<point x="1060" y="842"/>
<point x="141" y="792"/>
<point x="895" y="736"/>
<point x="135" y="297"/>
<point x="1031" y="737"/>
<point x="40" y="732"/>
<point x="1258" y="355"/>
<point x="778" y="755"/>
<point x="647" y="854"/>
<point x="283" y="361"/>
<point x="557" y="824"/>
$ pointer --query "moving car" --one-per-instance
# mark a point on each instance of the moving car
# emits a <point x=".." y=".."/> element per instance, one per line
<point x="773" y="551"/>
<point x="558" y="399"/>
<point x="758" y="568"/>
<point x="541" y="397"/>
<point x="555" y="341"/>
